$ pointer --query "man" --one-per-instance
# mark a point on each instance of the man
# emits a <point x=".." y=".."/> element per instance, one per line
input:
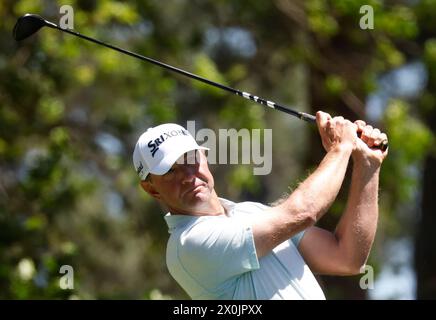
<point x="224" y="250"/>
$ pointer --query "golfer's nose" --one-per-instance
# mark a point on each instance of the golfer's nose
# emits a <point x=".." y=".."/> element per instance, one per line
<point x="189" y="172"/>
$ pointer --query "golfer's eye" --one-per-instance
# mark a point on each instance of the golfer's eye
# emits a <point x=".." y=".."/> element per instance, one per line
<point x="192" y="157"/>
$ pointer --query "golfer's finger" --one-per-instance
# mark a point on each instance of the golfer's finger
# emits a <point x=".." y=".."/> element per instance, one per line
<point x="339" y="119"/>
<point x="322" y="118"/>
<point x="366" y="133"/>
<point x="360" y="125"/>
<point x="373" y="137"/>
<point x="381" y="137"/>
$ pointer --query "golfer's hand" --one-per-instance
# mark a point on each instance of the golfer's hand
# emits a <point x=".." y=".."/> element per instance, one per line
<point x="367" y="147"/>
<point x="336" y="131"/>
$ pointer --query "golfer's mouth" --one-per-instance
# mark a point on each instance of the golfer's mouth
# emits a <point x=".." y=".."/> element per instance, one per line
<point x="195" y="189"/>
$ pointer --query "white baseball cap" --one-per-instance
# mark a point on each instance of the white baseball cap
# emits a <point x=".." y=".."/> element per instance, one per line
<point x="158" y="148"/>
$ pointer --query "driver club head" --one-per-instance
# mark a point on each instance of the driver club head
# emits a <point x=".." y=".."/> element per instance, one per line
<point x="27" y="25"/>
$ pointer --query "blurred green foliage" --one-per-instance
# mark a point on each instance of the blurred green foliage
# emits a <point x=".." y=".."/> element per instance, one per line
<point x="71" y="111"/>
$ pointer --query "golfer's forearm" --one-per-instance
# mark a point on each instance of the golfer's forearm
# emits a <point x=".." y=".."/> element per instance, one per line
<point x="356" y="229"/>
<point x="315" y="195"/>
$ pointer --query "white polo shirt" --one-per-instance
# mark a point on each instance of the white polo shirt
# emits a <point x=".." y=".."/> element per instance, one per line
<point x="214" y="257"/>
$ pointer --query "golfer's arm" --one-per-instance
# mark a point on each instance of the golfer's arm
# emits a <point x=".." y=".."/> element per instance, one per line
<point x="346" y="251"/>
<point x="305" y="205"/>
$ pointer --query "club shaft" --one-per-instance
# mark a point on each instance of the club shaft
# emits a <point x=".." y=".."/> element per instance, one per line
<point x="301" y="115"/>
<point x="246" y="95"/>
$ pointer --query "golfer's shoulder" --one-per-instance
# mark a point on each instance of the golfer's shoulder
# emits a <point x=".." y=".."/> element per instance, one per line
<point x="202" y="227"/>
<point x="249" y="207"/>
<point x="231" y="206"/>
<point x="209" y="230"/>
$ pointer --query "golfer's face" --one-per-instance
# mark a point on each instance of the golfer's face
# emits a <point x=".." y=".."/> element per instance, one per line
<point x="188" y="184"/>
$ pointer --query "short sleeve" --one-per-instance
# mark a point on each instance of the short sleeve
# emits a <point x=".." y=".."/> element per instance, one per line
<point x="217" y="249"/>
<point x="297" y="238"/>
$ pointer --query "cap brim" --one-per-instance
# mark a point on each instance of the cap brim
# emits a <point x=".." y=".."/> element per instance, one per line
<point x="165" y="165"/>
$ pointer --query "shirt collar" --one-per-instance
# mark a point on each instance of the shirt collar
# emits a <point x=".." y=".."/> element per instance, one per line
<point x="175" y="221"/>
<point x="228" y="205"/>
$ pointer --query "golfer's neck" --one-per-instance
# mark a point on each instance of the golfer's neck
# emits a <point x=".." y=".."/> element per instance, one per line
<point x="212" y="207"/>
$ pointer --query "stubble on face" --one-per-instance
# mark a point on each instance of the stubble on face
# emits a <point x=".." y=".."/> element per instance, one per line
<point x="195" y="197"/>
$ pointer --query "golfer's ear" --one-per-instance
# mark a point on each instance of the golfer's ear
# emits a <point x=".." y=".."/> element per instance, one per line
<point x="150" y="189"/>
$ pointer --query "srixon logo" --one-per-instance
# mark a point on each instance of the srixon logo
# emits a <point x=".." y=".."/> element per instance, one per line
<point x="141" y="166"/>
<point x="153" y="145"/>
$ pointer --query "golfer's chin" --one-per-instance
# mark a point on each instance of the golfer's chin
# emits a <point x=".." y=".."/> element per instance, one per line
<point x="197" y="200"/>
<point x="198" y="196"/>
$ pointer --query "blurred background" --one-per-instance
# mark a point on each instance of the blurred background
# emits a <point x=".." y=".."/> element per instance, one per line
<point x="71" y="111"/>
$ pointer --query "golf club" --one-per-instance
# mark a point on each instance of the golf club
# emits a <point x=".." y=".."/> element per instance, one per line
<point x="31" y="23"/>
